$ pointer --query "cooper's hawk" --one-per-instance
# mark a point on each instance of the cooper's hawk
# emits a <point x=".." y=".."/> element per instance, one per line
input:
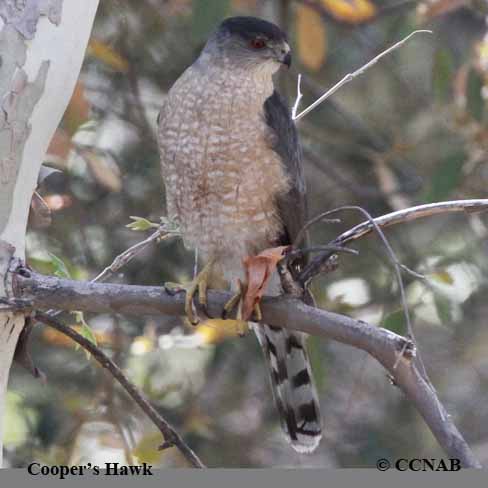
<point x="231" y="162"/>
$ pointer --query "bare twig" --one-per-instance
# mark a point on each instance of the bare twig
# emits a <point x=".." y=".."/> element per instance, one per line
<point x="125" y="257"/>
<point x="350" y="76"/>
<point x="371" y="224"/>
<point x="298" y="99"/>
<point x="398" y="217"/>
<point x="385" y="346"/>
<point x="315" y="266"/>
<point x="171" y="437"/>
<point x="319" y="218"/>
<point x="306" y="250"/>
<point x="413" y="213"/>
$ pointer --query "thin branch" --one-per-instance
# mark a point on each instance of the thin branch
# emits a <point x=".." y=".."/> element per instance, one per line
<point x="306" y="250"/>
<point x="315" y="266"/>
<point x="319" y="218"/>
<point x="377" y="224"/>
<point x="171" y="437"/>
<point x="398" y="217"/>
<point x="350" y="76"/>
<point x="125" y="257"/>
<point x="298" y="99"/>
<point x="47" y="291"/>
<point x="398" y="267"/>
<point x="413" y="213"/>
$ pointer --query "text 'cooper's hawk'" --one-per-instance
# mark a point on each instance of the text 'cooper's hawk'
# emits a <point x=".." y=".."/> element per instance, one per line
<point x="231" y="162"/>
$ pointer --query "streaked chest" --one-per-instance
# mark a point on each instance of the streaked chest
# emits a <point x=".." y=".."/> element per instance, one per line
<point x="220" y="171"/>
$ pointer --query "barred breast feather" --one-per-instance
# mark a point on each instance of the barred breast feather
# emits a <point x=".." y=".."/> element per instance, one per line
<point x="232" y="168"/>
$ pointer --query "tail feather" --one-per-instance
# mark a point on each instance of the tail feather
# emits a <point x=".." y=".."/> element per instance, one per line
<point x="292" y="384"/>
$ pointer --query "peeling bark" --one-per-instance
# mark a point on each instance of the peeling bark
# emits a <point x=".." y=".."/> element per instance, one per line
<point x="17" y="107"/>
<point x="42" y="45"/>
<point x="24" y="15"/>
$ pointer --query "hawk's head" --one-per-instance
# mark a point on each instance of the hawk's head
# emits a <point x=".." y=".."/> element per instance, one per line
<point x="250" y="42"/>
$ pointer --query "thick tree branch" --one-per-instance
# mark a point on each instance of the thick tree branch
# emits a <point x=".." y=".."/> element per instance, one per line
<point x="391" y="350"/>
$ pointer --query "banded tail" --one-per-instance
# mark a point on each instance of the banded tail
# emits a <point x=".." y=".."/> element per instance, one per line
<point x="292" y="384"/>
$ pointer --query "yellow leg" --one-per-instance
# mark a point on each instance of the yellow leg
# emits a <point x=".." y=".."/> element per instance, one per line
<point x="258" y="316"/>
<point x="236" y="300"/>
<point x="231" y="304"/>
<point x="200" y="285"/>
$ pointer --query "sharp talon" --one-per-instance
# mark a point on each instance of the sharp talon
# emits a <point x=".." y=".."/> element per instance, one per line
<point x="243" y="328"/>
<point x="190" y="307"/>
<point x="202" y="291"/>
<point x="232" y="303"/>
<point x="257" y="313"/>
<point x="206" y="312"/>
<point x="188" y="323"/>
<point x="173" y="288"/>
<point x="198" y="285"/>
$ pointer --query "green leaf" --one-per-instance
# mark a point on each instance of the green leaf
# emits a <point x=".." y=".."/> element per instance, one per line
<point x="206" y="17"/>
<point x="141" y="224"/>
<point x="395" y="322"/>
<point x="442" y="75"/>
<point x="446" y="177"/>
<point x="41" y="265"/>
<point x="443" y="308"/>
<point x="86" y="331"/>
<point x="474" y="100"/>
<point x="60" y="269"/>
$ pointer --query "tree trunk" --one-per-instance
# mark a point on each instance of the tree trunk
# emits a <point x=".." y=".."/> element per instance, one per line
<point x="42" y="45"/>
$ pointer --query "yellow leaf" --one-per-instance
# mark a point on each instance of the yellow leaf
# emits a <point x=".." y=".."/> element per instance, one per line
<point x="443" y="277"/>
<point x="78" y="110"/>
<point x="147" y="448"/>
<point x="56" y="338"/>
<point x="107" y="55"/>
<point x="217" y="330"/>
<point x="311" y="38"/>
<point x="142" y="345"/>
<point x="350" y="11"/>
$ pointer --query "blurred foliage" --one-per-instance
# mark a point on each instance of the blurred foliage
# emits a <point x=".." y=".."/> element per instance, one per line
<point x="311" y="37"/>
<point x="413" y="129"/>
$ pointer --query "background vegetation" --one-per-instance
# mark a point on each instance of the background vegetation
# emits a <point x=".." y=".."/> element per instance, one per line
<point x="411" y="130"/>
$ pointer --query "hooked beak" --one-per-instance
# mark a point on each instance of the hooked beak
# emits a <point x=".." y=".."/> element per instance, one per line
<point x="283" y="54"/>
<point x="287" y="59"/>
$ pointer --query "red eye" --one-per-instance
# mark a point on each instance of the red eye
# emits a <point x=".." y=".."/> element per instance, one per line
<point x="258" y="44"/>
